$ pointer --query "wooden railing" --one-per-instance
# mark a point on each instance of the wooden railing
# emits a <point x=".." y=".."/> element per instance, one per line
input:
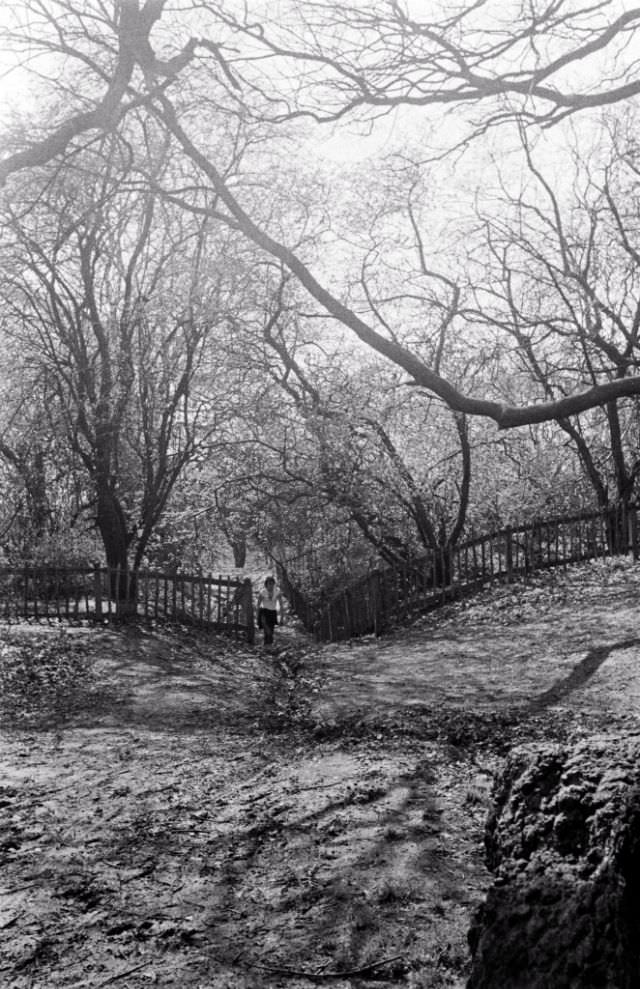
<point x="99" y="594"/>
<point x="393" y="595"/>
<point x="376" y="602"/>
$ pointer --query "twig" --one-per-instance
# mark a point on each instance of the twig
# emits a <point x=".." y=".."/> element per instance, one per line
<point x="121" y="975"/>
<point x="188" y="830"/>
<point x="141" y="874"/>
<point x="17" y="889"/>
<point x="153" y="790"/>
<point x="347" y="974"/>
<point x="10" y="923"/>
<point x="324" y="786"/>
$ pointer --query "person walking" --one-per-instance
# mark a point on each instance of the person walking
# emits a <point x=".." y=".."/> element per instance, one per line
<point x="269" y="601"/>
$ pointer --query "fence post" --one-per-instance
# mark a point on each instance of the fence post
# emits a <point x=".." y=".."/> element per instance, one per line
<point x="346" y="615"/>
<point x="374" y="590"/>
<point x="383" y="600"/>
<point x="97" y="591"/>
<point x="633" y="527"/>
<point x="35" y="594"/>
<point x="249" y="612"/>
<point x="509" y="552"/>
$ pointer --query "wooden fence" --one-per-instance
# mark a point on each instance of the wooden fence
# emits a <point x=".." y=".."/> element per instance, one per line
<point x="99" y="594"/>
<point x="393" y="595"/>
<point x="375" y="603"/>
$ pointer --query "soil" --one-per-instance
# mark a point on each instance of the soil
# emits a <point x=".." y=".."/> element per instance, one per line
<point x="197" y="813"/>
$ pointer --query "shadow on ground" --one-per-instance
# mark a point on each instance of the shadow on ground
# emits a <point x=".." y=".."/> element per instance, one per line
<point x="214" y="814"/>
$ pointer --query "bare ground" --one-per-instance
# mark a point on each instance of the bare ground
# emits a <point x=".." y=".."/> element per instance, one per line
<point x="204" y="815"/>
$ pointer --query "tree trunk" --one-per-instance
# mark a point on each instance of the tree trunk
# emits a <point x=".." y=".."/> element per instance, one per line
<point x="36" y="485"/>
<point x="239" y="547"/>
<point x="111" y="524"/>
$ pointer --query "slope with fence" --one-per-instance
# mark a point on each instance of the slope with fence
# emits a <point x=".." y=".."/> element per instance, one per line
<point x="393" y="595"/>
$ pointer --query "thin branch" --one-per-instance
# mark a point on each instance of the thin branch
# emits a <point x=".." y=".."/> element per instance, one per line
<point x="316" y="976"/>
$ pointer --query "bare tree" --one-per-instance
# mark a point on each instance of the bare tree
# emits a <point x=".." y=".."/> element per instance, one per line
<point x="364" y="59"/>
<point x="454" y="59"/>
<point x="114" y="306"/>
<point x="361" y="461"/>
<point x="562" y="286"/>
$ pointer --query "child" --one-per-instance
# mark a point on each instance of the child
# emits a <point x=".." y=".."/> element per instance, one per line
<point x="269" y="600"/>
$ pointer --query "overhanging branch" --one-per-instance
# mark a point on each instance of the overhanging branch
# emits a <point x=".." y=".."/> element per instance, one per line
<point x="505" y="416"/>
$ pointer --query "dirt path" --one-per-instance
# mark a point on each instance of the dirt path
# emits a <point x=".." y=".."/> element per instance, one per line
<point x="219" y="817"/>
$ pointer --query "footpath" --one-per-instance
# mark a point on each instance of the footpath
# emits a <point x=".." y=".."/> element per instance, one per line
<point x="211" y="814"/>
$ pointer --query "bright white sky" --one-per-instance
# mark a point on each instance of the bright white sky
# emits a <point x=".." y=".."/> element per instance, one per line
<point x="15" y="80"/>
<point x="343" y="142"/>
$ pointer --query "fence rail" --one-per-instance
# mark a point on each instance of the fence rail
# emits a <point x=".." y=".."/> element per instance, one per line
<point x="101" y="594"/>
<point x="392" y="595"/>
<point x="375" y="603"/>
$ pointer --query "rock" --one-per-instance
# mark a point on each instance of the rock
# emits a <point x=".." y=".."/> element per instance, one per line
<point x="563" y="842"/>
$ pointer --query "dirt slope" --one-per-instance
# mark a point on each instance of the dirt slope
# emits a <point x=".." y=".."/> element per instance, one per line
<point x="205" y="815"/>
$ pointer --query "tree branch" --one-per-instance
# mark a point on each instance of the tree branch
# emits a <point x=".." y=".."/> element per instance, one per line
<point x="505" y="416"/>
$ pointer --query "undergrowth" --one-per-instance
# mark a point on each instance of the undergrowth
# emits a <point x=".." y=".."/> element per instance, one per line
<point x="287" y="699"/>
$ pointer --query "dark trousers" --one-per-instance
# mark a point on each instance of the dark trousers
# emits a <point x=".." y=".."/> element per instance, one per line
<point x="267" y="621"/>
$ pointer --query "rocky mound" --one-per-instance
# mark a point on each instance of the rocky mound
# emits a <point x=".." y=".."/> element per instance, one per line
<point x="563" y="843"/>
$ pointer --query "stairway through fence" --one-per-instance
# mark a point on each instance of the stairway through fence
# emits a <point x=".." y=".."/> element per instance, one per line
<point x="394" y="595"/>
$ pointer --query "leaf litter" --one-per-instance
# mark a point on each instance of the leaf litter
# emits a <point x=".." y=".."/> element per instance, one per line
<point x="185" y="811"/>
